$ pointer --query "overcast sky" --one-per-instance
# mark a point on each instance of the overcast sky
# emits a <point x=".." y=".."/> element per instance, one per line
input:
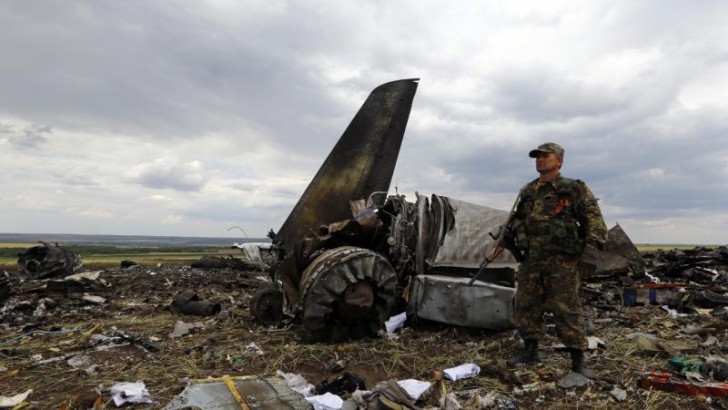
<point x="186" y="118"/>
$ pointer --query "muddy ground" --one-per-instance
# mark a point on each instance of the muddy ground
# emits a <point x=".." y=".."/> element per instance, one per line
<point x="71" y="351"/>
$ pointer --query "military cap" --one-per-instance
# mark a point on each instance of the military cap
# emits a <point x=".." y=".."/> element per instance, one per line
<point x="546" y="148"/>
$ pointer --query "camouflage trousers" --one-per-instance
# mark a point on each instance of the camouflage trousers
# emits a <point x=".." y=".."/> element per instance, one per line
<point x="550" y="284"/>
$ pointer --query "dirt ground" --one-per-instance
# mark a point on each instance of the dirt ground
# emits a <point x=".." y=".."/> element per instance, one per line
<point x="71" y="351"/>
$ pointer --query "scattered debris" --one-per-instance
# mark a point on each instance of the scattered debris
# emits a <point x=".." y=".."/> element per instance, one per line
<point x="133" y="321"/>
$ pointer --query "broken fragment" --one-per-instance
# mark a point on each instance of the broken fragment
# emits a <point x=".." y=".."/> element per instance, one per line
<point x="189" y="303"/>
<point x="44" y="261"/>
<point x="237" y="392"/>
<point x="666" y="382"/>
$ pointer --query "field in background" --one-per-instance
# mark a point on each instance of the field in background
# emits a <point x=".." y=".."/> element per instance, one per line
<point x="653" y="248"/>
<point x="105" y="256"/>
<point x="102" y="256"/>
<point x="100" y="251"/>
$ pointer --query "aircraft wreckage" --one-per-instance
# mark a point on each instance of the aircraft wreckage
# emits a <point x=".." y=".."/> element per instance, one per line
<point x="349" y="255"/>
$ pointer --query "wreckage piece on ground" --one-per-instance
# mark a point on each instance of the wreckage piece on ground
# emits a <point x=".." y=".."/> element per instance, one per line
<point x="700" y="265"/>
<point x="350" y="255"/>
<point x="46" y="261"/>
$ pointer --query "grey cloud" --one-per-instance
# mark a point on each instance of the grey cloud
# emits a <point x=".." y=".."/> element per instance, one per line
<point x="540" y="94"/>
<point x="169" y="174"/>
<point x="76" y="179"/>
<point x="166" y="72"/>
<point x="32" y="136"/>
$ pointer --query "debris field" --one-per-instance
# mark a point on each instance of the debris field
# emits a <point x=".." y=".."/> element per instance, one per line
<point x="657" y="340"/>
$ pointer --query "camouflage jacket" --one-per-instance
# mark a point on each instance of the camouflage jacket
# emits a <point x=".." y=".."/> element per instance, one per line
<point x="558" y="216"/>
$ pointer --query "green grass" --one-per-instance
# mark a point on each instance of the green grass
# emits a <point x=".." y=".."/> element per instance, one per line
<point x="667" y="247"/>
<point x="109" y="256"/>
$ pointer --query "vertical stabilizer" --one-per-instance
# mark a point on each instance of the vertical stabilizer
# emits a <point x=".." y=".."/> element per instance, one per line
<point x="361" y="162"/>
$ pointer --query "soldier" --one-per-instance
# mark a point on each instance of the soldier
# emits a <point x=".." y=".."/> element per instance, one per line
<point x="557" y="223"/>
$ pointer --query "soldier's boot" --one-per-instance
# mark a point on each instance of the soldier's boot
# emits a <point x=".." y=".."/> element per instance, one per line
<point x="577" y="363"/>
<point x="528" y="355"/>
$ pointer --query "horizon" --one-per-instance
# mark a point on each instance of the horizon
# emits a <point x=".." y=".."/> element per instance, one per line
<point x="3" y="238"/>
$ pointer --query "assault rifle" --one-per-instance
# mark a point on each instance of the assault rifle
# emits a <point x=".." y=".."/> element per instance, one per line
<point x="503" y="239"/>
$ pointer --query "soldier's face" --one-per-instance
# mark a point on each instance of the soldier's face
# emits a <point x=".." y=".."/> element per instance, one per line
<point x="548" y="162"/>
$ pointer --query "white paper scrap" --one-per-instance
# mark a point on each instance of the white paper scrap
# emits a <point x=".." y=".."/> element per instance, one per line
<point x="328" y="401"/>
<point x="415" y="388"/>
<point x="463" y="371"/>
<point x="127" y="392"/>
<point x="594" y="343"/>
<point x="395" y="322"/>
<point x="14" y="400"/>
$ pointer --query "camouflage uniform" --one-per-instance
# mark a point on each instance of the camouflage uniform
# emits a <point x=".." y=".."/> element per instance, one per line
<point x="554" y="221"/>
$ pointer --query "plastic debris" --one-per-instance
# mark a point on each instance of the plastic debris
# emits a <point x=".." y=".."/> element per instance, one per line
<point x="344" y="383"/>
<point x="450" y="402"/>
<point x="297" y="383"/>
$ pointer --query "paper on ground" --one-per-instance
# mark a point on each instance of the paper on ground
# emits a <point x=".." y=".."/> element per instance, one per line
<point x="415" y="388"/>
<point x="326" y="401"/>
<point x="463" y="371"/>
<point x="395" y="322"/>
<point x="127" y="392"/>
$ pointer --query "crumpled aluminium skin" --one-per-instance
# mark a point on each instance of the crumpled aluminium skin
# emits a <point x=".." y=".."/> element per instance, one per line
<point x="45" y="261"/>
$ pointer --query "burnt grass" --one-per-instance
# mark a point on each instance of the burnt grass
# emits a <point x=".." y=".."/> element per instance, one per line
<point x="126" y="339"/>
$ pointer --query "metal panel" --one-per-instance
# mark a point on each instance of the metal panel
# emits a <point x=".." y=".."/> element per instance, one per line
<point x="450" y="300"/>
<point x="466" y="242"/>
<point x="259" y="393"/>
